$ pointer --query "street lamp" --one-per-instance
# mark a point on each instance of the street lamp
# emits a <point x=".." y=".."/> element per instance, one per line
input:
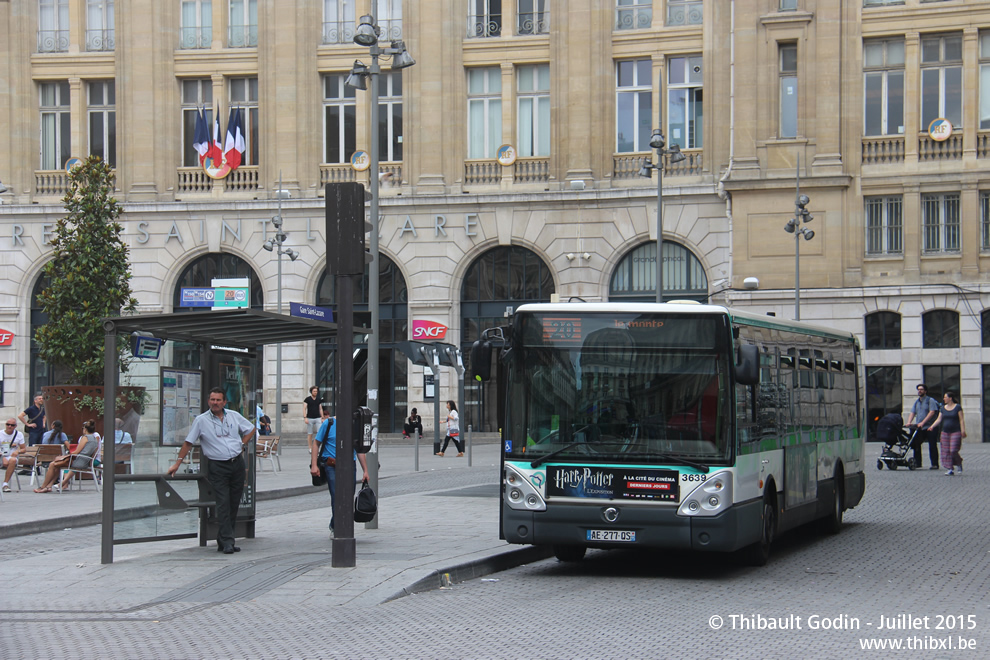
<point x="793" y="226"/>
<point x="275" y="244"/>
<point x="367" y="34"/>
<point x="657" y="142"/>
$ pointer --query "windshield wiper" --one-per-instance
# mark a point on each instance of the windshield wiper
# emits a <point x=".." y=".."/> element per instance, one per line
<point x="667" y="458"/>
<point x="543" y="459"/>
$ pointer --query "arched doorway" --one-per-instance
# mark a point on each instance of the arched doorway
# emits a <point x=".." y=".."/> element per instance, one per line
<point x="635" y="278"/>
<point x="393" y="377"/>
<point x="501" y="278"/>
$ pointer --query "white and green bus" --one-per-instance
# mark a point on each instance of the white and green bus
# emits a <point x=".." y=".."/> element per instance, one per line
<point x="673" y="425"/>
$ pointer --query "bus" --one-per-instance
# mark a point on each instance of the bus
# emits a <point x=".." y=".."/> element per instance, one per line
<point x="676" y="425"/>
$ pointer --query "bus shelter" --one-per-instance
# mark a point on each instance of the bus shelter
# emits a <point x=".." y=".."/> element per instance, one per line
<point x="142" y="504"/>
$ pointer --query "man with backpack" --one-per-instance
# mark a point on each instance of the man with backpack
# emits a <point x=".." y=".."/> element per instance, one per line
<point x="925" y="409"/>
<point x="325" y="458"/>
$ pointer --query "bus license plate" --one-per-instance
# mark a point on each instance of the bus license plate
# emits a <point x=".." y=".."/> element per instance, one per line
<point x="611" y="535"/>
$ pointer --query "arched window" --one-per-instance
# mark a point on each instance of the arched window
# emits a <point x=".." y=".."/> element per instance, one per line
<point x="202" y="271"/>
<point x="393" y="325"/>
<point x="883" y="330"/>
<point x="635" y="278"/>
<point x="500" y="278"/>
<point x="940" y="329"/>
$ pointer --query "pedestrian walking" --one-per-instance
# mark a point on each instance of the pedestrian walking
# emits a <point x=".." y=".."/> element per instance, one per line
<point x="950" y="419"/>
<point x="925" y="410"/>
<point x="325" y="459"/>
<point x="313" y="416"/>
<point x="453" y="430"/>
<point x="33" y="418"/>
<point x="222" y="435"/>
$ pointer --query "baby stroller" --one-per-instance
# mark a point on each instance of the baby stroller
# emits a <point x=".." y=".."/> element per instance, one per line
<point x="897" y="441"/>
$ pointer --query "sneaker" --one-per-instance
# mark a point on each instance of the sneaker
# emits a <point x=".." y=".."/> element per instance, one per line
<point x="950" y="473"/>
<point x="6" y="488"/>
<point x="934" y="467"/>
<point x="24" y="473"/>
<point x="959" y="467"/>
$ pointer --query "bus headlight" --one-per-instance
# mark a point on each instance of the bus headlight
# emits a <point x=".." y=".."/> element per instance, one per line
<point x="712" y="497"/>
<point x="520" y="494"/>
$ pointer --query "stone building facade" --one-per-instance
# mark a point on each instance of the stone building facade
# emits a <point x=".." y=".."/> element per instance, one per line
<point x="837" y="93"/>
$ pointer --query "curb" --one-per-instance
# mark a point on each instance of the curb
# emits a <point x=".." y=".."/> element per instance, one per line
<point x="444" y="577"/>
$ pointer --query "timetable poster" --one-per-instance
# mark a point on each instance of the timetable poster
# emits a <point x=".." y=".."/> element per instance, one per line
<point x="181" y="401"/>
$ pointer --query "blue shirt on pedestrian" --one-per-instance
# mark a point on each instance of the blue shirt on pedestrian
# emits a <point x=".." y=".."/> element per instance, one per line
<point x="328" y="431"/>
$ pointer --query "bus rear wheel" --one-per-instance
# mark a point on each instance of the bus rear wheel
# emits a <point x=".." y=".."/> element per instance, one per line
<point x="758" y="554"/>
<point x="833" y="524"/>
<point x="569" y="553"/>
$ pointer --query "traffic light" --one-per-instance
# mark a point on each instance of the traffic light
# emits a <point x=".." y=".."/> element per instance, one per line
<point x="481" y="360"/>
<point x="346" y="227"/>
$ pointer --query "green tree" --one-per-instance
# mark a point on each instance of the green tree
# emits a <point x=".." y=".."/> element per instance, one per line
<point x="89" y="278"/>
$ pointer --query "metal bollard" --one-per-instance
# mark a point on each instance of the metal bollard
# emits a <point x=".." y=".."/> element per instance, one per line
<point x="470" y="445"/>
<point x="416" y="452"/>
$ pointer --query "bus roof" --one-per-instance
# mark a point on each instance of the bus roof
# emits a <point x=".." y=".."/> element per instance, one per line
<point x="736" y="315"/>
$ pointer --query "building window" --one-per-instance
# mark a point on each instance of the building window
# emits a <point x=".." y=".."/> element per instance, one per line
<point x="941" y="80"/>
<point x="941" y="377"/>
<point x="984" y="80"/>
<point x="878" y="3"/>
<point x="484" y="111"/>
<point x="985" y="220"/>
<point x="390" y="117"/>
<point x="533" y="17"/>
<point x="243" y="28"/>
<point x="99" y="25"/>
<point x="197" y="24"/>
<point x="533" y="86"/>
<point x="339" y="119"/>
<point x="633" y="14"/>
<point x="53" y="26"/>
<point x="940" y="329"/>
<point x="389" y="19"/>
<point x="197" y="95"/>
<point x="788" y="91"/>
<point x="985" y="328"/>
<point x="633" y="105"/>
<point x="684" y="12"/>
<point x="788" y="5"/>
<point x="883" y="395"/>
<point x="940" y="218"/>
<point x="883" y="93"/>
<point x="884" y="225"/>
<point x="635" y="277"/>
<point x="56" y="132"/>
<point x="484" y="18"/>
<point x="883" y="331"/>
<point x="338" y="21"/>
<point x="103" y="121"/>
<point x="244" y="95"/>
<point x="684" y="101"/>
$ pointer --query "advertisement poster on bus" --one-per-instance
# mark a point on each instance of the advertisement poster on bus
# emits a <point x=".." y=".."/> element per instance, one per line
<point x="612" y="483"/>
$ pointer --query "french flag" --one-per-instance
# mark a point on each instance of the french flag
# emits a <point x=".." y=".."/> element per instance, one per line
<point x="201" y="138"/>
<point x="233" y="149"/>
<point x="215" y="150"/>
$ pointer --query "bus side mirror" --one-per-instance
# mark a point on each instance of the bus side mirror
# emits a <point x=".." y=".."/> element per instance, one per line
<point x="481" y="360"/>
<point x="748" y="365"/>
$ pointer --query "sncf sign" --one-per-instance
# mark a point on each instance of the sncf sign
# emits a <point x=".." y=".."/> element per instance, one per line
<point x="424" y="330"/>
<point x="7" y="338"/>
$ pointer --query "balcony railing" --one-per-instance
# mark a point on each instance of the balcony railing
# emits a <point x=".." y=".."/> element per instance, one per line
<point x="634" y="17"/>
<point x="195" y="37"/>
<point x="929" y="150"/>
<point x="534" y="22"/>
<point x="531" y="170"/>
<point x="242" y="36"/>
<point x="391" y="29"/>
<point x="684" y="13"/>
<point x="97" y="40"/>
<point x="482" y="172"/>
<point x="338" y="32"/>
<point x="883" y="150"/>
<point x="484" y="26"/>
<point x="244" y="178"/>
<point x="50" y="183"/>
<point x="193" y="180"/>
<point x="983" y="145"/>
<point x="627" y="166"/>
<point x="336" y="173"/>
<point x="53" y="41"/>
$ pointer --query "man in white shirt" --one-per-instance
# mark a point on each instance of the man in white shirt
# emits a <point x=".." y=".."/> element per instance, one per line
<point x="11" y="442"/>
<point x="221" y="435"/>
<point x="120" y="436"/>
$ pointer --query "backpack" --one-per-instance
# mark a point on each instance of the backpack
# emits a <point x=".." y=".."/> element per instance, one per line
<point x="365" y="504"/>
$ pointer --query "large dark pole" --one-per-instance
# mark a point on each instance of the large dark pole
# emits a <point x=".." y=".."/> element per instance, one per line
<point x="345" y="261"/>
<point x="110" y="376"/>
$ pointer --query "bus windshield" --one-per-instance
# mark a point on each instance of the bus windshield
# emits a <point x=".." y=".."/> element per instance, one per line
<point x="628" y="388"/>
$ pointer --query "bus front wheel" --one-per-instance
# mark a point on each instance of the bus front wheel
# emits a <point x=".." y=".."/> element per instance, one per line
<point x="758" y="554"/>
<point x="569" y="553"/>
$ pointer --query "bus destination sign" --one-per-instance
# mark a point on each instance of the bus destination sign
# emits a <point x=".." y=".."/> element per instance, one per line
<point x="559" y="330"/>
<point x="612" y="483"/>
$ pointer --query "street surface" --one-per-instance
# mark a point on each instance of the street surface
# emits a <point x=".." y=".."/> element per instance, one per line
<point x="913" y="555"/>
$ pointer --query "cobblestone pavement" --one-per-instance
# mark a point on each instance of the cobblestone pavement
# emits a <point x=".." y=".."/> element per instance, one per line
<point x="916" y="546"/>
